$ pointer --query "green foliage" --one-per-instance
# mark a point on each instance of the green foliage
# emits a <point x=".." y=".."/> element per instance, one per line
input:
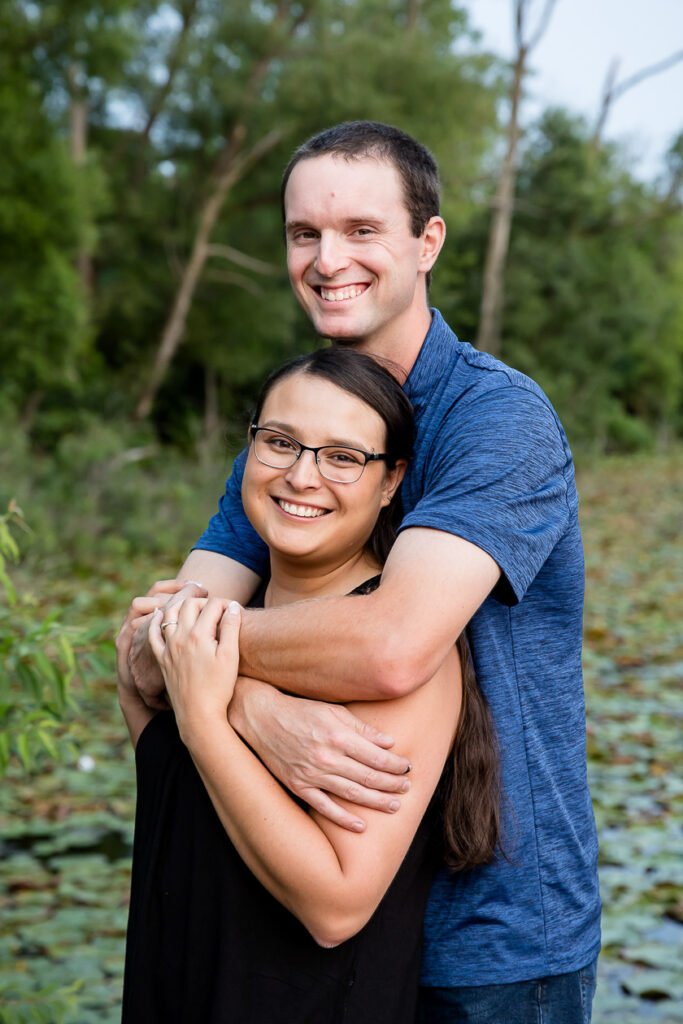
<point x="40" y="657"/>
<point x="594" y="290"/>
<point x="42" y="316"/>
<point x="51" y="1004"/>
<point x="37" y="664"/>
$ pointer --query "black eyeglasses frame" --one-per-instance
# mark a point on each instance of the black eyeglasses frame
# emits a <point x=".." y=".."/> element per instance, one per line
<point x="368" y="456"/>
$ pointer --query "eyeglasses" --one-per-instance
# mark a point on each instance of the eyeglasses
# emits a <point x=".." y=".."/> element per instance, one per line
<point x="336" y="463"/>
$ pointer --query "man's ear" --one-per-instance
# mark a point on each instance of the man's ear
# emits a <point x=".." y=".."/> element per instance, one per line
<point x="433" y="237"/>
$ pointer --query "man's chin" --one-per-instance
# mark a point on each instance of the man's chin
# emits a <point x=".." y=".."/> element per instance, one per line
<point x="341" y="334"/>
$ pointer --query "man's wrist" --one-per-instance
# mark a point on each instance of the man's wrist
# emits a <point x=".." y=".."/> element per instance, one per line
<point x="129" y="698"/>
<point x="248" y="697"/>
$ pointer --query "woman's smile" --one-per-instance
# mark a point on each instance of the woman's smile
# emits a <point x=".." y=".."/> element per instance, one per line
<point x="299" y="510"/>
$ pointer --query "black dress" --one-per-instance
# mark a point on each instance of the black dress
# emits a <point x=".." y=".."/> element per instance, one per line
<point x="207" y="944"/>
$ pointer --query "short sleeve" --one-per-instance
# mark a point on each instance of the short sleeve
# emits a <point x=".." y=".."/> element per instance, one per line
<point x="229" y="531"/>
<point x="496" y="476"/>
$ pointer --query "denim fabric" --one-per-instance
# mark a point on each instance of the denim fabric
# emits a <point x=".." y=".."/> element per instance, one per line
<point x="559" y="999"/>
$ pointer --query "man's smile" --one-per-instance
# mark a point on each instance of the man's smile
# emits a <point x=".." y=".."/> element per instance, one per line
<point x="341" y="293"/>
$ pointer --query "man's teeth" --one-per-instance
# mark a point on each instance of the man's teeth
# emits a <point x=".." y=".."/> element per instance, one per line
<point x="341" y="293"/>
<point x="301" y="510"/>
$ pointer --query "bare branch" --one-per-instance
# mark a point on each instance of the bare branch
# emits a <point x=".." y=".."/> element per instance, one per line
<point x="227" y="252"/>
<point x="233" y="277"/>
<point x="612" y="91"/>
<point x="653" y="69"/>
<point x="173" y="64"/>
<point x="542" y="25"/>
<point x="493" y="284"/>
<point x="520" y="14"/>
<point x="413" y="14"/>
<point x="606" y="102"/>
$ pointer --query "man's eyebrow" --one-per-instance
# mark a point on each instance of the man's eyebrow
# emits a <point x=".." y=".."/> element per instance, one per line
<point x="294" y="225"/>
<point x="374" y="221"/>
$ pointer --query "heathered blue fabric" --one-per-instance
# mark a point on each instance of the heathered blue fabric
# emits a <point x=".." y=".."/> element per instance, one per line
<point x="492" y="465"/>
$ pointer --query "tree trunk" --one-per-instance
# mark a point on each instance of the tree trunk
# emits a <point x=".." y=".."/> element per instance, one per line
<point x="232" y="164"/>
<point x="493" y="285"/>
<point x="212" y="420"/>
<point x="232" y="167"/>
<point x="78" y="140"/>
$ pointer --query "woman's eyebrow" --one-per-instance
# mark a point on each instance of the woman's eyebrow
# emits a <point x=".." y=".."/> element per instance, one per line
<point x="331" y="442"/>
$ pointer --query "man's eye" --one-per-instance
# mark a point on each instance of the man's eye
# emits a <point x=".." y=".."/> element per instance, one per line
<point x="363" y="232"/>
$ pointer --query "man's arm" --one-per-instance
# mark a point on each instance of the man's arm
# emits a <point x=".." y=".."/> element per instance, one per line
<point x="315" y="749"/>
<point x="376" y="646"/>
<point x="220" y="576"/>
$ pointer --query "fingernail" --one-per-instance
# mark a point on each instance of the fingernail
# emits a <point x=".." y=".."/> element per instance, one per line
<point x="234" y="608"/>
<point x="408" y="769"/>
<point x="394" y="805"/>
<point x="384" y="737"/>
<point x="405" y="787"/>
<point x="358" y="826"/>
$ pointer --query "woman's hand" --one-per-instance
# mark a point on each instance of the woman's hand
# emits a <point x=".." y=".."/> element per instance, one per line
<point x="198" y="654"/>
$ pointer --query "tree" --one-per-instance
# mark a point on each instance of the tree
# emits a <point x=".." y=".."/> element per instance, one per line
<point x="493" y="283"/>
<point x="594" y="305"/>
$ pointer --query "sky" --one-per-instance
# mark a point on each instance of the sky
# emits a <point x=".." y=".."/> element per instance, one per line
<point x="572" y="59"/>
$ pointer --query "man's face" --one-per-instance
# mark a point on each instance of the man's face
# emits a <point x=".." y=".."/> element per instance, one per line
<point x="354" y="265"/>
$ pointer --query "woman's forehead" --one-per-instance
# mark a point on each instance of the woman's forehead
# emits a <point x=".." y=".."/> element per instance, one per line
<point x="307" y="403"/>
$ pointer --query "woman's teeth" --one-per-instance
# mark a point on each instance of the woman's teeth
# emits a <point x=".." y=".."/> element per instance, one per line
<point x="307" y="511"/>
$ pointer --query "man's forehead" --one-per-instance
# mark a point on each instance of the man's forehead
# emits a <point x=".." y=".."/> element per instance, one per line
<point x="331" y="176"/>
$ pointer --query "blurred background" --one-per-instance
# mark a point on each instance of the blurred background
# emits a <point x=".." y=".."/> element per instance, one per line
<point x="143" y="298"/>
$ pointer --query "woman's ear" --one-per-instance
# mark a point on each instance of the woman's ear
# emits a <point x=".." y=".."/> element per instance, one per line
<point x="392" y="481"/>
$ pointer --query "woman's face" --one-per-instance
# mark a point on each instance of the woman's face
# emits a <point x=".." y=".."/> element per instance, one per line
<point x="298" y="513"/>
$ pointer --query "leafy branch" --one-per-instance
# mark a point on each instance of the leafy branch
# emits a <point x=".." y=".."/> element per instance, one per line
<point x="38" y="662"/>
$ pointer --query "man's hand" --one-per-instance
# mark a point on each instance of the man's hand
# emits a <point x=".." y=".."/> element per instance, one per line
<point x="144" y="672"/>
<point x="319" y="751"/>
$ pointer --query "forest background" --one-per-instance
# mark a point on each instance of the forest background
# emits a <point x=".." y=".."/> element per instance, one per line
<point x="143" y="299"/>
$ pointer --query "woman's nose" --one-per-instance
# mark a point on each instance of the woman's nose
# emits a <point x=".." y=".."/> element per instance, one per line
<point x="304" y="472"/>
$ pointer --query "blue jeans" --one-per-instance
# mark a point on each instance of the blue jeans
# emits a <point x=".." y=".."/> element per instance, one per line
<point x="560" y="999"/>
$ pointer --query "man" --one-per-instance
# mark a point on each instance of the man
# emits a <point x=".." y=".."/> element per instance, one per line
<point x="490" y="538"/>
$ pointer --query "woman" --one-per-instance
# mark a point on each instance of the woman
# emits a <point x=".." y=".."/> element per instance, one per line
<point x="245" y="907"/>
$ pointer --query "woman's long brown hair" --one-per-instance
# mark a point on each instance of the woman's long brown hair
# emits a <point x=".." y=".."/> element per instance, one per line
<point x="470" y="783"/>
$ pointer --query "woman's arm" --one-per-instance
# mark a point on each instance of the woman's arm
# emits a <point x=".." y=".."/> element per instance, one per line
<point x="329" y="878"/>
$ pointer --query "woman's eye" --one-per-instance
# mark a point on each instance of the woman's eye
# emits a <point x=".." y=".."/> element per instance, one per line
<point x="343" y="458"/>
<point x="281" y="443"/>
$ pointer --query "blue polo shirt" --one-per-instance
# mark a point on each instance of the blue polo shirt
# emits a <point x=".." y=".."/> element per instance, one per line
<point x="492" y="465"/>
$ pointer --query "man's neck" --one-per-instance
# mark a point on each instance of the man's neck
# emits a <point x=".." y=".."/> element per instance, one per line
<point x="400" y="346"/>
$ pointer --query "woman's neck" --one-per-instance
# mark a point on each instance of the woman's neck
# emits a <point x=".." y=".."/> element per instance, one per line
<point x="291" y="582"/>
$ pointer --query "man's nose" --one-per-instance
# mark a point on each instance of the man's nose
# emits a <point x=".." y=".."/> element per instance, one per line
<point x="304" y="473"/>
<point x="332" y="256"/>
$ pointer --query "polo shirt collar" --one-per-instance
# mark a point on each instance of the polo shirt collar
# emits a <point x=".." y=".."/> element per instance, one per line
<point x="433" y="361"/>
